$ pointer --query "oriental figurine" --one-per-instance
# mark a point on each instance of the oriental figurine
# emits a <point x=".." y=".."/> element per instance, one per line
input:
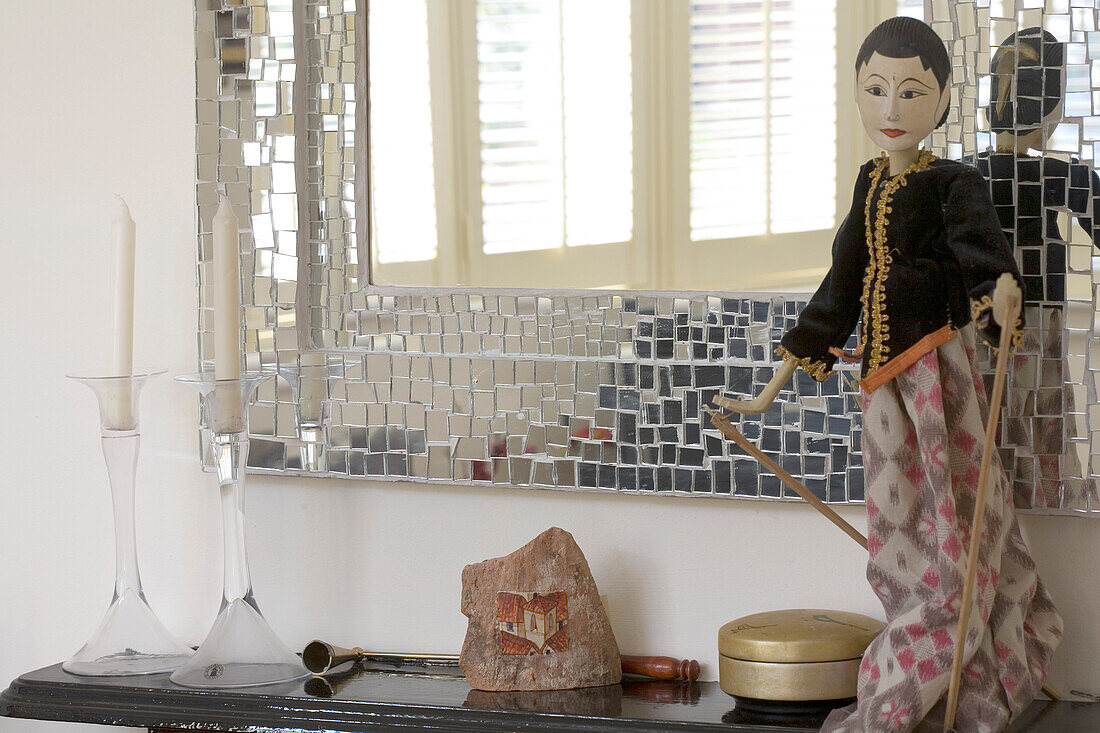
<point x="921" y="265"/>
<point x="1028" y="191"/>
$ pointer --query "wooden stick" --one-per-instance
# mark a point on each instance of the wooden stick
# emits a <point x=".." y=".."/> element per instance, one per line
<point x="721" y="421"/>
<point x="979" y="513"/>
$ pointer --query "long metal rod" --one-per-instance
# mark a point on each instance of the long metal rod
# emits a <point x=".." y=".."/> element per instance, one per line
<point x="404" y="656"/>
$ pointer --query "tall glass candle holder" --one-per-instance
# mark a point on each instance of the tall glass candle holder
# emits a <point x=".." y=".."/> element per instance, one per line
<point x="310" y="410"/>
<point x="130" y="639"/>
<point x="306" y="379"/>
<point x="241" y="649"/>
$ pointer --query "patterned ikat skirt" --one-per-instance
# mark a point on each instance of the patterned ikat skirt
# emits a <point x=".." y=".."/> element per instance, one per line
<point x="922" y="446"/>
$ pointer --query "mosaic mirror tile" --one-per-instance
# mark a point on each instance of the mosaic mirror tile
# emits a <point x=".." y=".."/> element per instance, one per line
<point x="597" y="390"/>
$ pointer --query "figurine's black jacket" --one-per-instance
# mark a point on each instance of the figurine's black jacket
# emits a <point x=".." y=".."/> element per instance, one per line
<point x="942" y="254"/>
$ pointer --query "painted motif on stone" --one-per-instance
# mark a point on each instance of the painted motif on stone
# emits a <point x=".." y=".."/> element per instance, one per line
<point x="532" y="623"/>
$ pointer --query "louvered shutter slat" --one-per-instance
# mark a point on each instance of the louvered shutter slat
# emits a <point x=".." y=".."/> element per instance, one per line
<point x="555" y="110"/>
<point x="763" y="117"/>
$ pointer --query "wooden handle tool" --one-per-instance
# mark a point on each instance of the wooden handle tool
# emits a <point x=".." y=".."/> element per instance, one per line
<point x="661" y="668"/>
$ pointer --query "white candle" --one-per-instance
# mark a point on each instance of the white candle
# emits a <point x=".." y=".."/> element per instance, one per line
<point x="311" y="386"/>
<point x="226" y="281"/>
<point x="121" y="287"/>
<point x="118" y="412"/>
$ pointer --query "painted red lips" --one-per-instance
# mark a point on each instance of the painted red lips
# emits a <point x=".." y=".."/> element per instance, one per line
<point x="892" y="132"/>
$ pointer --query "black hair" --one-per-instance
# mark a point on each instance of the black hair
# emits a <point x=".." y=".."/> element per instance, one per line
<point x="1026" y="75"/>
<point x="903" y="38"/>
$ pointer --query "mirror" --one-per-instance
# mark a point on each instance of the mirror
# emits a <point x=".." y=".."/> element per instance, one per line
<point x="469" y="371"/>
<point x="1027" y="125"/>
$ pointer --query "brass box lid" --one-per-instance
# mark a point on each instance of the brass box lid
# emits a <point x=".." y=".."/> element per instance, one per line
<point x="798" y="635"/>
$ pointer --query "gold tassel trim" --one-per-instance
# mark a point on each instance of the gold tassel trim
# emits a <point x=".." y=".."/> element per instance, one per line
<point x="816" y="369"/>
<point x="980" y="306"/>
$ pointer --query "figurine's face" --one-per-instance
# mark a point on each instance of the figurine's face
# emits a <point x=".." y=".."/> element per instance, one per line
<point x="899" y="101"/>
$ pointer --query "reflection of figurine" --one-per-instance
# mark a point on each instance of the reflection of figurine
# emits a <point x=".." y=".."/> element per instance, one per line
<point x="1029" y="191"/>
<point x="918" y="257"/>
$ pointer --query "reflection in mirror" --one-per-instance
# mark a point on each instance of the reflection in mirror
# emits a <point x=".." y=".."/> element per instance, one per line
<point x="571" y="144"/>
<point x="1033" y="140"/>
<point x="1030" y="187"/>
<point x="539" y="391"/>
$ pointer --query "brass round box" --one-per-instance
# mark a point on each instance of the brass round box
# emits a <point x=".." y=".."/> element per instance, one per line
<point x="799" y="655"/>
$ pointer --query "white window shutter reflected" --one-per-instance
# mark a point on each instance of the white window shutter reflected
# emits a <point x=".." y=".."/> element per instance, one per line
<point x="402" y="161"/>
<point x="763" y="117"/>
<point x="554" y="105"/>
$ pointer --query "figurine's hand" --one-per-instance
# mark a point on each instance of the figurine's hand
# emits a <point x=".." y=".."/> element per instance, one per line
<point x="1006" y="294"/>
<point x="761" y="402"/>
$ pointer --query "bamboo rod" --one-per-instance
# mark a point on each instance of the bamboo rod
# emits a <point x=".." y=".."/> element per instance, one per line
<point x="721" y="421"/>
<point x="979" y="512"/>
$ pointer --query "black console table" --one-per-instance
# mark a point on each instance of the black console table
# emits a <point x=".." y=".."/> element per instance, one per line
<point x="371" y="696"/>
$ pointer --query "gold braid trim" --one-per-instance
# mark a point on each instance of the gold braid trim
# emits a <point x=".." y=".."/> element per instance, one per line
<point x="880" y="259"/>
<point x="980" y="306"/>
<point x="815" y="369"/>
<point x="977" y="307"/>
<point x="869" y="275"/>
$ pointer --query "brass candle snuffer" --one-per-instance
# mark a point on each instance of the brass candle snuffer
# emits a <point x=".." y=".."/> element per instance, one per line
<point x="320" y="657"/>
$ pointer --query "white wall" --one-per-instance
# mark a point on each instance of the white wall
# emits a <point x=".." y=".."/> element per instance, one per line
<point x="97" y="99"/>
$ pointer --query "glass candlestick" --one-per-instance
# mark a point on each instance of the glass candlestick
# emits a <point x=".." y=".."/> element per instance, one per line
<point x="241" y="650"/>
<point x="306" y="378"/>
<point x="130" y="639"/>
<point x="310" y="409"/>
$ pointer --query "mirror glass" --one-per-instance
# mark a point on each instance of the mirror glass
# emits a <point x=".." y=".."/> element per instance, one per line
<point x="462" y="344"/>
<point x="611" y="144"/>
<point x="1027" y="121"/>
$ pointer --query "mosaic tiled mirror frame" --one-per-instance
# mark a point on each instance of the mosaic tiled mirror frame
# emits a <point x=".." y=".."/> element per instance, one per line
<point x="576" y="390"/>
<point x="1062" y="359"/>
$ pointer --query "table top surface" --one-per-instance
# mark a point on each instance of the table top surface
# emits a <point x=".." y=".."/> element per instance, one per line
<point x="372" y="695"/>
